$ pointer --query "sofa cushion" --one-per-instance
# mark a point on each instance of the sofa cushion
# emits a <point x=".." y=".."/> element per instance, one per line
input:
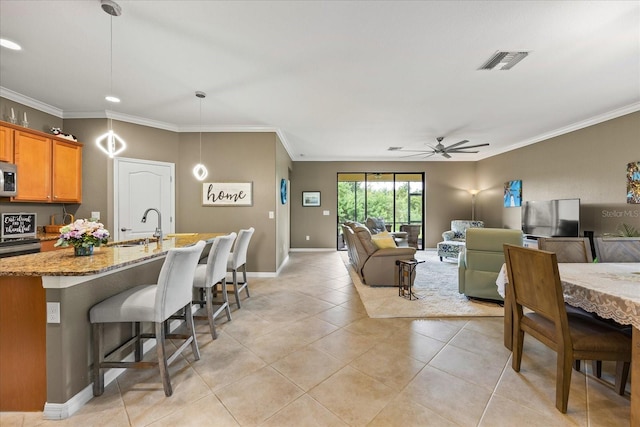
<point x="364" y="235"/>
<point x="383" y="240"/>
<point x="376" y="225"/>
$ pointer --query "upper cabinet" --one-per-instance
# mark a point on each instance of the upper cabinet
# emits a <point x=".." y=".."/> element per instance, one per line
<point x="6" y="144"/>
<point x="49" y="168"/>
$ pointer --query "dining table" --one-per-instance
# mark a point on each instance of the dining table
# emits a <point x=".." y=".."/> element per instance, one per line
<point x="610" y="290"/>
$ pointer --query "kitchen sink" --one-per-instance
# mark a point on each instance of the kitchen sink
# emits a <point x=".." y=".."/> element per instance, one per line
<point x="130" y="243"/>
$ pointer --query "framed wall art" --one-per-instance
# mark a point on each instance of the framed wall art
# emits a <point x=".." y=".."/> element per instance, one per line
<point x="227" y="194"/>
<point x="310" y="198"/>
<point x="512" y="194"/>
<point x="633" y="183"/>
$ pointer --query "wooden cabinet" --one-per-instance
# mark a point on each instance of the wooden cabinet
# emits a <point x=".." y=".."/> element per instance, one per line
<point x="49" y="168"/>
<point x="6" y="144"/>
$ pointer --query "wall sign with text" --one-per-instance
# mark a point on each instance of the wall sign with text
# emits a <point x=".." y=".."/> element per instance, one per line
<point x="18" y="225"/>
<point x="227" y="194"/>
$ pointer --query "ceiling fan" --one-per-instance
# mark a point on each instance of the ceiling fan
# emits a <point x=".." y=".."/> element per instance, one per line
<point x="446" y="152"/>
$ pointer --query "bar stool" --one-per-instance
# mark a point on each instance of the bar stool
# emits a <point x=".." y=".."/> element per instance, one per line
<point x="208" y="275"/>
<point x="149" y="303"/>
<point x="238" y="259"/>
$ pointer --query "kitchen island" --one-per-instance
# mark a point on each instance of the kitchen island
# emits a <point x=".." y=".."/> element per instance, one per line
<point x="45" y="364"/>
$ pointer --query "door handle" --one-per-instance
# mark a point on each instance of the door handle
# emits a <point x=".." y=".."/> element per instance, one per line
<point x="126" y="229"/>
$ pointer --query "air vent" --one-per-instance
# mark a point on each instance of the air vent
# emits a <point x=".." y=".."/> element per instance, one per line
<point x="503" y="60"/>
<point x="394" y="148"/>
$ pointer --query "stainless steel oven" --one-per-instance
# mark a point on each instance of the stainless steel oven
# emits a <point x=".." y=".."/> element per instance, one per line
<point x="18" y="246"/>
<point x="8" y="180"/>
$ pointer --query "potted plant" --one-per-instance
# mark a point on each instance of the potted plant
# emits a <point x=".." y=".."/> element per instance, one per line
<point x="83" y="235"/>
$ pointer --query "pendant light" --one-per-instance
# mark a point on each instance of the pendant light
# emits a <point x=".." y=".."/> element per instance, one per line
<point x="200" y="171"/>
<point x="110" y="143"/>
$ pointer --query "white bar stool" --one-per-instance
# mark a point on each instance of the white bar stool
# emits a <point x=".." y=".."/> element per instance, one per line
<point x="237" y="260"/>
<point x="149" y="303"/>
<point x="208" y="275"/>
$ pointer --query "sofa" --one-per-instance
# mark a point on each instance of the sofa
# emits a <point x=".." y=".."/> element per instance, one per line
<point x="481" y="259"/>
<point x="453" y="240"/>
<point x="375" y="265"/>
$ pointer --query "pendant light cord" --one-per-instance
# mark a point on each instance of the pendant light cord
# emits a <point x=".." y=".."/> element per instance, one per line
<point x="200" y="130"/>
<point x="111" y="55"/>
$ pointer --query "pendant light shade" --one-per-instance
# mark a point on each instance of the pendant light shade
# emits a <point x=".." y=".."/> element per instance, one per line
<point x="110" y="143"/>
<point x="200" y="170"/>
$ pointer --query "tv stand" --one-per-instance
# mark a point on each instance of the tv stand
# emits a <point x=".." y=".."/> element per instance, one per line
<point x="530" y="241"/>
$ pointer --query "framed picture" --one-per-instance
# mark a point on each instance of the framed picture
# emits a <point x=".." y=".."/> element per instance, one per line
<point x="512" y="194"/>
<point x="310" y="198"/>
<point x="227" y="194"/>
<point x="633" y="183"/>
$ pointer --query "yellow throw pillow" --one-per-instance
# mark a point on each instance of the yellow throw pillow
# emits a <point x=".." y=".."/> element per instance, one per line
<point x="383" y="240"/>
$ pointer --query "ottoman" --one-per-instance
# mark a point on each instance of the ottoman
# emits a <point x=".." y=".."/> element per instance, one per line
<point x="449" y="249"/>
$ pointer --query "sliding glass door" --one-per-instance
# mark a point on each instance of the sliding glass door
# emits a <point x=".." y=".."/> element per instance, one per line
<point x="398" y="198"/>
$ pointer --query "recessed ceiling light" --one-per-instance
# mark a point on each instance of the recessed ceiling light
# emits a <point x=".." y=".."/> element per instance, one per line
<point x="112" y="99"/>
<point x="10" y="45"/>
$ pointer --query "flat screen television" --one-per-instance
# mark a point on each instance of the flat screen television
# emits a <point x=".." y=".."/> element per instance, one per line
<point x="551" y="218"/>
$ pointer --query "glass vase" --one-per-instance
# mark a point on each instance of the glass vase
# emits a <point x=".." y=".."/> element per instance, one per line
<point x="83" y="250"/>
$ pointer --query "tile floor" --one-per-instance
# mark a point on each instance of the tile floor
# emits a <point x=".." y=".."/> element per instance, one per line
<point x="302" y="352"/>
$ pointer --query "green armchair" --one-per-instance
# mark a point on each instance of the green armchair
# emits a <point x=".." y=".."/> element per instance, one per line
<point x="480" y="261"/>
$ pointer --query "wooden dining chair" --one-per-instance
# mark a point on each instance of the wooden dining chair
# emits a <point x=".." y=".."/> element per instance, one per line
<point x="567" y="249"/>
<point x="535" y="284"/>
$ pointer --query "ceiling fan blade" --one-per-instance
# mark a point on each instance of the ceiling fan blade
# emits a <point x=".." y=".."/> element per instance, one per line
<point x="458" y="151"/>
<point x="444" y="154"/>
<point x="470" y="146"/>
<point x="456" y="144"/>
<point x="419" y="154"/>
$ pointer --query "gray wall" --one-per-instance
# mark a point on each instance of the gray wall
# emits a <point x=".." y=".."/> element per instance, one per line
<point x="589" y="164"/>
<point x="241" y="157"/>
<point x="447" y="197"/>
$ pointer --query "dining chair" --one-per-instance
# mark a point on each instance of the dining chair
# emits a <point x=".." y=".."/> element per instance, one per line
<point x="238" y="260"/>
<point x="208" y="275"/>
<point x="617" y="249"/>
<point x="567" y="249"/>
<point x="535" y="284"/>
<point x="572" y="250"/>
<point x="153" y="303"/>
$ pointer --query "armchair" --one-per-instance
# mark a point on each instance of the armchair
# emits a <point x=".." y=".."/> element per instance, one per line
<point x="454" y="239"/>
<point x="481" y="260"/>
<point x="376" y="267"/>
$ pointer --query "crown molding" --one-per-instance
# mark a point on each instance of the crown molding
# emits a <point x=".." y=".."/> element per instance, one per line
<point x="609" y="115"/>
<point x="30" y="102"/>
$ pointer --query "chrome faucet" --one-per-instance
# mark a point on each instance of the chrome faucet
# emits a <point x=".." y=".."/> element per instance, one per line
<point x="158" y="233"/>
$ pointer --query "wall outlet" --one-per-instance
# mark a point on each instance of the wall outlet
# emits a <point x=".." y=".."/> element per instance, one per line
<point x="272" y="215"/>
<point x="95" y="215"/>
<point x="53" y="312"/>
<point x="325" y="213"/>
<point x="307" y="237"/>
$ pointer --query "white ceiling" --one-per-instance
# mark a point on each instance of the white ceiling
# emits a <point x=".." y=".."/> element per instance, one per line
<point x="338" y="80"/>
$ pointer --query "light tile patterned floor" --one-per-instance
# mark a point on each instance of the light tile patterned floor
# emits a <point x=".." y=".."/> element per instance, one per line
<point x="302" y="352"/>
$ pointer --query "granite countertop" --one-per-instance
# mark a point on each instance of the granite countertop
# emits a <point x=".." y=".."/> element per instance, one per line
<point x="108" y="257"/>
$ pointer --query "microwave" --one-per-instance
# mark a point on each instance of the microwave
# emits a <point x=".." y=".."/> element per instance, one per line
<point x="8" y="180"/>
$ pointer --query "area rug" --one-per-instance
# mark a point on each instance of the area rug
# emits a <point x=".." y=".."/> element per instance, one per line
<point x="436" y="287"/>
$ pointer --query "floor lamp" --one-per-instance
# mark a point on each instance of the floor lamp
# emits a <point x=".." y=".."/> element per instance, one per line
<point x="473" y="203"/>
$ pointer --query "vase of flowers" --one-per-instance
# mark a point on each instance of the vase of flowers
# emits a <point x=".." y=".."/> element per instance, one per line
<point x="83" y="235"/>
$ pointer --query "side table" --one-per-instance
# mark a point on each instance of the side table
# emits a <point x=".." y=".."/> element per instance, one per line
<point x="406" y="273"/>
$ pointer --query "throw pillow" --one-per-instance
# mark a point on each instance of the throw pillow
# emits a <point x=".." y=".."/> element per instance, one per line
<point x="383" y="240"/>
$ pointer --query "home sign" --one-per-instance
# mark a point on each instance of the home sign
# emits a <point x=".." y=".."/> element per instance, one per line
<point x="227" y="194"/>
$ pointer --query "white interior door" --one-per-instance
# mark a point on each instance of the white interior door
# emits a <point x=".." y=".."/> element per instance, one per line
<point x="139" y="185"/>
